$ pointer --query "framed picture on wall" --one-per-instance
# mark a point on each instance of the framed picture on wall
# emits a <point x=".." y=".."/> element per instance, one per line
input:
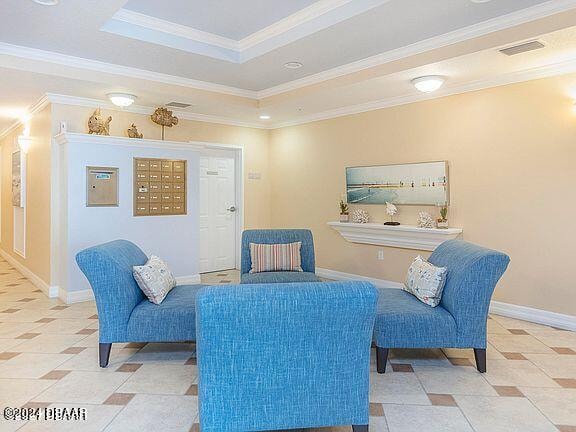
<point x="424" y="183"/>
<point x="17" y="200"/>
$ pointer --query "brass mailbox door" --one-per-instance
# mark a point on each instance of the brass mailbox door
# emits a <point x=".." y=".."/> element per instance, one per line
<point x="101" y="187"/>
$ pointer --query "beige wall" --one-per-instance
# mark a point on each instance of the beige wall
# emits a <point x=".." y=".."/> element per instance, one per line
<point x="37" y="196"/>
<point x="512" y="155"/>
<point x="254" y="142"/>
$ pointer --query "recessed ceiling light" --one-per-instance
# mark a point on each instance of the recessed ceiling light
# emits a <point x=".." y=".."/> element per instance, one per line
<point x="428" y="84"/>
<point x="480" y="1"/>
<point x="46" y="2"/>
<point x="265" y="117"/>
<point x="293" y="65"/>
<point x="121" y="99"/>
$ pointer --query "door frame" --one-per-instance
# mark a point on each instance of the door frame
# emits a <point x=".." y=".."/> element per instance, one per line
<point x="237" y="153"/>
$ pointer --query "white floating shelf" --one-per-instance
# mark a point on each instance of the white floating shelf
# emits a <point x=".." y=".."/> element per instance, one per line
<point x="401" y="236"/>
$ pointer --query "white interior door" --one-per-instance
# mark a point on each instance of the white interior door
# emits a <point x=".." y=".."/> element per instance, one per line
<point x="218" y="213"/>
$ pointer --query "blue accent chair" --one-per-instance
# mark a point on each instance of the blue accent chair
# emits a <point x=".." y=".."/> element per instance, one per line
<point x="459" y="321"/>
<point x="284" y="356"/>
<point x="273" y="236"/>
<point x="124" y="312"/>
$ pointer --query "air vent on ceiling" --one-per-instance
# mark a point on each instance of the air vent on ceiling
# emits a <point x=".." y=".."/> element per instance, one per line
<point x="178" y="105"/>
<point x="522" y="48"/>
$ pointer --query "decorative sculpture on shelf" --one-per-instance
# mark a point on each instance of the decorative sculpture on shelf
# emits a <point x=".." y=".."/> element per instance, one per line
<point x="391" y="210"/>
<point x="360" y="216"/>
<point x="97" y="125"/>
<point x="132" y="132"/>
<point x="164" y="117"/>
<point x="425" y="220"/>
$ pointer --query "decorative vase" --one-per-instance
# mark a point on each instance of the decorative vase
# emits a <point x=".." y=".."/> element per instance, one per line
<point x="442" y="223"/>
<point x="344" y="217"/>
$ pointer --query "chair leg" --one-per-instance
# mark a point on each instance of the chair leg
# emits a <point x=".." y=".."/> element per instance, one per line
<point x="360" y="428"/>
<point x="480" y="356"/>
<point x="104" y="353"/>
<point x="381" y="359"/>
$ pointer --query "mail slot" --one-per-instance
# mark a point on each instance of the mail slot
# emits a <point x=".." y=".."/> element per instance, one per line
<point x="101" y="187"/>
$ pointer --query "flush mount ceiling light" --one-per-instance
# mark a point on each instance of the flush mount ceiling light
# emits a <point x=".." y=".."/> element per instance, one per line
<point x="121" y="99"/>
<point x="428" y="84"/>
<point x="293" y="65"/>
<point x="46" y="2"/>
<point x="265" y="117"/>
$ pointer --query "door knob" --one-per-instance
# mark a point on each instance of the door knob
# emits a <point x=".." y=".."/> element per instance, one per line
<point x="231" y="209"/>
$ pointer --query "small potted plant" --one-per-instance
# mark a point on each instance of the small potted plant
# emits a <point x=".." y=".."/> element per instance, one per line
<point x="344" y="215"/>
<point x="442" y="221"/>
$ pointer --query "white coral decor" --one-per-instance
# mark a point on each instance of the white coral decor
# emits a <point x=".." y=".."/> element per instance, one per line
<point x="425" y="220"/>
<point x="360" y="216"/>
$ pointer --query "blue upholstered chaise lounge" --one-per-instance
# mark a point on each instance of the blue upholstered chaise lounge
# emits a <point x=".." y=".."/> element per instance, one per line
<point x="273" y="236"/>
<point x="459" y="321"/>
<point x="284" y="356"/>
<point x="124" y="313"/>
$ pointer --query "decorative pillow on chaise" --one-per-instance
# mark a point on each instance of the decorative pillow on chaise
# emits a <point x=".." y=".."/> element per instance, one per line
<point x="275" y="257"/>
<point x="155" y="279"/>
<point x="426" y="281"/>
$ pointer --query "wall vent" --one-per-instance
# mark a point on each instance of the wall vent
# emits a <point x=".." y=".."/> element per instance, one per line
<point x="178" y="105"/>
<point x="522" y="48"/>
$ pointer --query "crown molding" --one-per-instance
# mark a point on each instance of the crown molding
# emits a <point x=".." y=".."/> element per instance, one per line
<point x="110" y="68"/>
<point x="501" y="80"/>
<point x="480" y="29"/>
<point x="318" y="16"/>
<point x="36" y="107"/>
<point x="59" y="99"/>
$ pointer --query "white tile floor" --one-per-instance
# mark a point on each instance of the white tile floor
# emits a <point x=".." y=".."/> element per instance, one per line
<point x="48" y="358"/>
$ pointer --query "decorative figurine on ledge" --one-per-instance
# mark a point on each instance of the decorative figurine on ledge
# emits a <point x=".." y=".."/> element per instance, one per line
<point x="97" y="125"/>
<point x="360" y="216"/>
<point x="165" y="118"/>
<point x="132" y="132"/>
<point x="391" y="210"/>
<point x="344" y="217"/>
<point x="442" y="222"/>
<point x="425" y="220"/>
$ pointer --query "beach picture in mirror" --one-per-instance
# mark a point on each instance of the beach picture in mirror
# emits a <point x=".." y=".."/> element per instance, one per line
<point x="414" y="183"/>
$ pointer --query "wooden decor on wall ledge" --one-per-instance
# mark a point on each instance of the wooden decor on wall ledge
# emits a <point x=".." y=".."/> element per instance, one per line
<point x="159" y="187"/>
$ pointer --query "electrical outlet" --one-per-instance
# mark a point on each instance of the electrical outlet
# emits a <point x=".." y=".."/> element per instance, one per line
<point x="380" y="255"/>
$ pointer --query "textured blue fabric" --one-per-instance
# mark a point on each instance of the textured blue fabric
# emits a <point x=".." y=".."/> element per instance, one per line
<point x="172" y="320"/>
<point x="108" y="268"/>
<point x="473" y="272"/>
<point x="405" y="322"/>
<point x="275" y="236"/>
<point x="278" y="277"/>
<point x="284" y="356"/>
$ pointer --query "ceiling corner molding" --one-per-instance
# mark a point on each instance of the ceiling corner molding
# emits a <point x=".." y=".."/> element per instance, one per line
<point x="114" y="69"/>
<point x="546" y="71"/>
<point x="477" y="30"/>
<point x="146" y="110"/>
<point x="36" y="107"/>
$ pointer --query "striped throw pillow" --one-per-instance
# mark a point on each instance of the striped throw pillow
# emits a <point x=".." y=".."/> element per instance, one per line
<point x="275" y="257"/>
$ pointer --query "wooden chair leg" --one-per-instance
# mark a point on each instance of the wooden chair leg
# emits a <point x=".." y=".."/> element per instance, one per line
<point x="360" y="428"/>
<point x="480" y="356"/>
<point x="381" y="359"/>
<point x="104" y="353"/>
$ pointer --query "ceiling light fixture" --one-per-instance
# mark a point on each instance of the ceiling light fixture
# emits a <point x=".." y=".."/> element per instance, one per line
<point x="122" y="99"/>
<point x="265" y="117"/>
<point x="480" y="1"/>
<point x="293" y="65"/>
<point x="46" y="2"/>
<point x="428" y="84"/>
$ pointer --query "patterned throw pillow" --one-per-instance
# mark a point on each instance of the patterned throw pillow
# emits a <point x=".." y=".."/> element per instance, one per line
<point x="275" y="257"/>
<point x="154" y="279"/>
<point x="426" y="281"/>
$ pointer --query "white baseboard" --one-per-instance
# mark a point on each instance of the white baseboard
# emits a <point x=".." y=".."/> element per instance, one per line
<point x="537" y="316"/>
<point x="341" y="276"/>
<point x="76" y="296"/>
<point x="524" y="313"/>
<point x="189" y="280"/>
<point x="50" y="290"/>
